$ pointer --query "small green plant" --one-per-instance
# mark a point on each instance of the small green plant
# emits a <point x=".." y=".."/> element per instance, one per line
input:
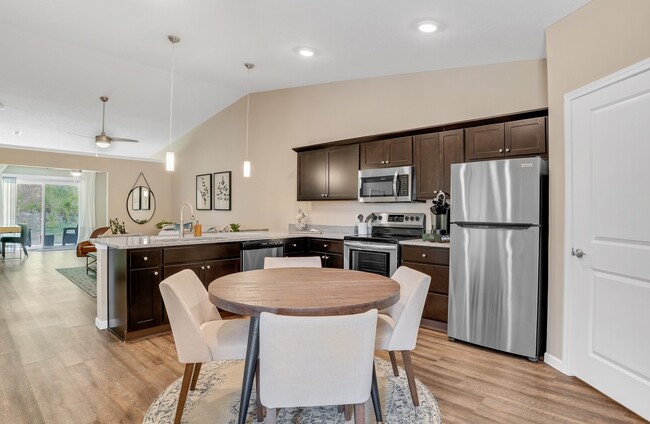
<point x="116" y="227"/>
<point x="234" y="227"/>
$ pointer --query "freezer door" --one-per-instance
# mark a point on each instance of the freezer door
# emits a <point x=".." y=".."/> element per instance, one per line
<point x="498" y="191"/>
<point x="494" y="289"/>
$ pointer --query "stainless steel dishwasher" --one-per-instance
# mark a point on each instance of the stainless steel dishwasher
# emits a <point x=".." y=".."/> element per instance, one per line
<point x="254" y="252"/>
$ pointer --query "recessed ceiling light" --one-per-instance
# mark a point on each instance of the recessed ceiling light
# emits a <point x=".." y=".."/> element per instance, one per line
<point x="17" y="133"/>
<point x="426" y="25"/>
<point x="306" y="51"/>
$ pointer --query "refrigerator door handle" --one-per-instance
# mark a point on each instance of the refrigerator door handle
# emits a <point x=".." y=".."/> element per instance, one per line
<point x="494" y="226"/>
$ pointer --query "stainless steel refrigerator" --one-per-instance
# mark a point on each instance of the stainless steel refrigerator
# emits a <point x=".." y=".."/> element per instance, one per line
<point x="498" y="258"/>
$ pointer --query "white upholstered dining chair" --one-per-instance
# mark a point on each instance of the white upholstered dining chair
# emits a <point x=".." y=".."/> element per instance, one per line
<point x="316" y="361"/>
<point x="293" y="262"/>
<point x="398" y="325"/>
<point x="200" y="334"/>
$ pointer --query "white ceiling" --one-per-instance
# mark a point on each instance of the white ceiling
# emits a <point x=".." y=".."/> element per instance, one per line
<point x="58" y="57"/>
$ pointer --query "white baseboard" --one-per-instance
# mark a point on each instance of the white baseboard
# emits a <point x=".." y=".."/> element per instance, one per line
<point x="102" y="325"/>
<point x="555" y="362"/>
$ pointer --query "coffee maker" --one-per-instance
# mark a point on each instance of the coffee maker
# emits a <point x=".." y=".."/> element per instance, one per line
<point x="440" y="218"/>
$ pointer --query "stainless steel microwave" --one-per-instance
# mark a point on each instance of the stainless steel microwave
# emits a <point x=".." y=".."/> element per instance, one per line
<point x="387" y="184"/>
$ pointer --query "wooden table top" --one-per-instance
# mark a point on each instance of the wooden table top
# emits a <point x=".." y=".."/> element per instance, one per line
<point x="9" y="229"/>
<point x="303" y="291"/>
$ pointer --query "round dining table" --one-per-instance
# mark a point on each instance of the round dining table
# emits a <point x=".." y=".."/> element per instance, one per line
<point x="301" y="292"/>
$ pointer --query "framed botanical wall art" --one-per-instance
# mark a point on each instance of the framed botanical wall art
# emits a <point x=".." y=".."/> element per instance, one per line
<point x="222" y="191"/>
<point x="203" y="192"/>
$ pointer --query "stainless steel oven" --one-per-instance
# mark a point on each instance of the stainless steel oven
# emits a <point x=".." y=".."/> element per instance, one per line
<point x="379" y="258"/>
<point x="379" y="252"/>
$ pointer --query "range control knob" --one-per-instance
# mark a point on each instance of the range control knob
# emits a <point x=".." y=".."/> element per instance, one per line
<point x="417" y="218"/>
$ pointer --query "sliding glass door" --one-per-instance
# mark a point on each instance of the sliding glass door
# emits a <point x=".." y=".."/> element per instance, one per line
<point x="50" y="209"/>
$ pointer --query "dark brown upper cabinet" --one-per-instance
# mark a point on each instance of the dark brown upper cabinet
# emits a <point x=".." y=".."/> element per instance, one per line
<point x="328" y="174"/>
<point x="387" y="153"/>
<point x="524" y="137"/>
<point x="434" y="154"/>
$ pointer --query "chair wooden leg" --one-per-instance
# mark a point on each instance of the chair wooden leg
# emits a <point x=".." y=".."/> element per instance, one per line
<point x="348" y="412"/>
<point x="271" y="415"/>
<point x="185" y="385"/>
<point x="195" y="375"/>
<point x="393" y="362"/>
<point x="406" y="356"/>
<point x="360" y="413"/>
<point x="341" y="408"/>
<point x="258" y="403"/>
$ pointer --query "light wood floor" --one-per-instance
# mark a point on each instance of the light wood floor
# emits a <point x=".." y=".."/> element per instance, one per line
<point x="56" y="367"/>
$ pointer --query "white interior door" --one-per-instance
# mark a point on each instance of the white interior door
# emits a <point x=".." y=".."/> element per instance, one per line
<point x="608" y="179"/>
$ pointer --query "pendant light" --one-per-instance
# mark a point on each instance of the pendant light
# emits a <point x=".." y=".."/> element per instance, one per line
<point x="247" y="163"/>
<point x="169" y="157"/>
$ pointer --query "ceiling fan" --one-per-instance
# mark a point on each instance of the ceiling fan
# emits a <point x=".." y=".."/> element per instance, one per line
<point x="102" y="140"/>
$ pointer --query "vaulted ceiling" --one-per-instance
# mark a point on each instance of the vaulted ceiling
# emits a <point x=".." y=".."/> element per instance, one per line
<point x="59" y="57"/>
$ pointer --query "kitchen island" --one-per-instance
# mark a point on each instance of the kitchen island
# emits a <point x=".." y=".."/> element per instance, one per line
<point x="130" y="268"/>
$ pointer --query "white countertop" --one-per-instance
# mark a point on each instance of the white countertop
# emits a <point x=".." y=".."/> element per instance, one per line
<point x="136" y="242"/>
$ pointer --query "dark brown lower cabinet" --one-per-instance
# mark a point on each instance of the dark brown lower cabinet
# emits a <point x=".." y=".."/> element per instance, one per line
<point x="329" y="250"/>
<point x="135" y="306"/>
<point x="433" y="261"/>
<point x="145" y="302"/>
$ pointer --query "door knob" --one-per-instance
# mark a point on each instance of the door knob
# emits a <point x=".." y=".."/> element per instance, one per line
<point x="145" y="258"/>
<point x="578" y="253"/>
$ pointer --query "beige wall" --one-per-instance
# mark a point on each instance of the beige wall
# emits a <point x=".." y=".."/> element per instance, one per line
<point x="600" y="38"/>
<point x="280" y="120"/>
<point x="120" y="175"/>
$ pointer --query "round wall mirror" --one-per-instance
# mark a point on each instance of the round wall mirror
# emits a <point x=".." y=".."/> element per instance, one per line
<point x="141" y="204"/>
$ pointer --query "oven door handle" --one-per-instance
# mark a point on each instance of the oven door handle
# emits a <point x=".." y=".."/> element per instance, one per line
<point x="372" y="246"/>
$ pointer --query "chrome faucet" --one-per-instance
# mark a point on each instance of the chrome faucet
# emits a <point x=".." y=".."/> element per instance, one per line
<point x="192" y="217"/>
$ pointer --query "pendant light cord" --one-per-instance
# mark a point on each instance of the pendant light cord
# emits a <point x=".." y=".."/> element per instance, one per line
<point x="248" y="104"/>
<point x="171" y="100"/>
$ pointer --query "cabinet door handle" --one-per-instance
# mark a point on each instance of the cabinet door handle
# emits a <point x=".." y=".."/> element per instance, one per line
<point x="155" y="273"/>
<point x="203" y="267"/>
<point x="294" y="245"/>
<point x="387" y="161"/>
<point x="507" y="150"/>
<point x="145" y="259"/>
<point x="500" y="150"/>
<point x="424" y="255"/>
<point x="208" y="266"/>
<point x="325" y="245"/>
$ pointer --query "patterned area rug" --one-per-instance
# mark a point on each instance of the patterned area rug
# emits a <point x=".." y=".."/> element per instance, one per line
<point x="78" y="277"/>
<point x="216" y="400"/>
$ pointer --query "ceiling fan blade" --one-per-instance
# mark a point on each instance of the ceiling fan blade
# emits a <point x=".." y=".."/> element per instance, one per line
<point x="81" y="135"/>
<point x="123" y="139"/>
